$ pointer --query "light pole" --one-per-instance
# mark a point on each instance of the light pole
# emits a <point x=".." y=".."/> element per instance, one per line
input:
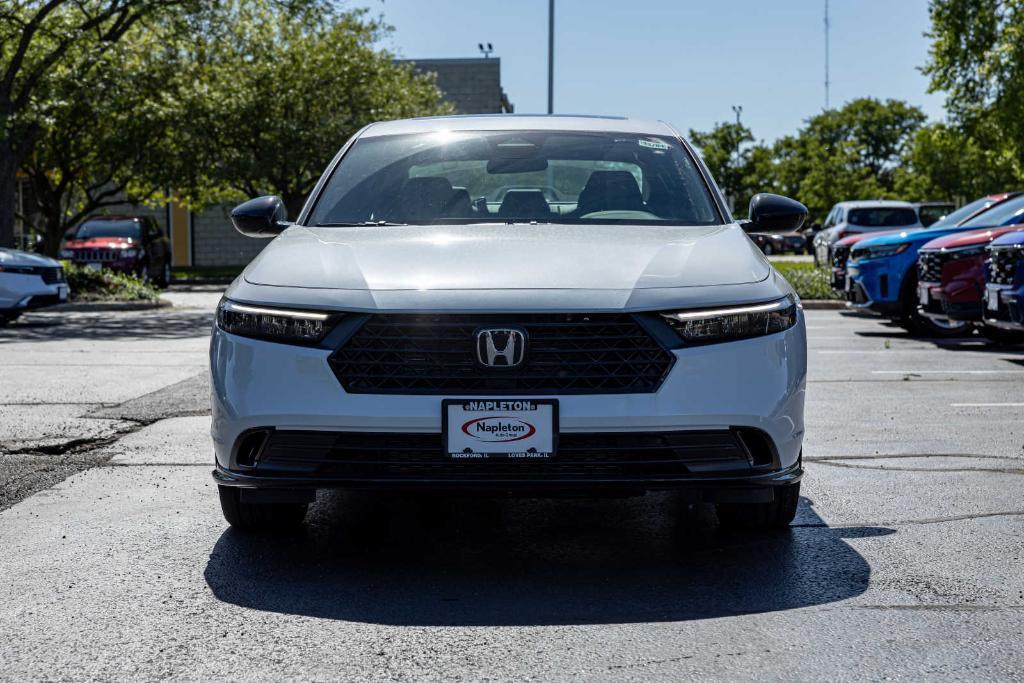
<point x="738" y="110"/>
<point x="551" y="56"/>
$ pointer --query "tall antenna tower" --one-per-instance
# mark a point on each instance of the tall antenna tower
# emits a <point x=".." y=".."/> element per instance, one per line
<point x="827" y="81"/>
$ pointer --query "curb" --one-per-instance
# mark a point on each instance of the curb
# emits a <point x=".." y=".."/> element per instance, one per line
<point x="99" y="306"/>
<point x="823" y="304"/>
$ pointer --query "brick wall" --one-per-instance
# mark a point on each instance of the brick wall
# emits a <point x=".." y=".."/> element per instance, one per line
<point x="215" y="242"/>
<point x="473" y="86"/>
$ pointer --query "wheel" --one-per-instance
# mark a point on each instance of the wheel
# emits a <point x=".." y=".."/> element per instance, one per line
<point x="761" y="516"/>
<point x="8" y="318"/>
<point x="165" y="276"/>
<point x="259" y="516"/>
<point x="768" y="249"/>
<point x="1000" y="336"/>
<point x="915" y="323"/>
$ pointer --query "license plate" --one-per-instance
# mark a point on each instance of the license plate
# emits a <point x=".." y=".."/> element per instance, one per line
<point x="849" y="281"/>
<point x="94" y="266"/>
<point x="499" y="428"/>
<point x="922" y="294"/>
<point x="993" y="300"/>
<point x="62" y="293"/>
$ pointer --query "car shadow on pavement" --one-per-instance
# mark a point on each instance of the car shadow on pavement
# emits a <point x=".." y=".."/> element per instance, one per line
<point x="115" y="325"/>
<point x="429" y="562"/>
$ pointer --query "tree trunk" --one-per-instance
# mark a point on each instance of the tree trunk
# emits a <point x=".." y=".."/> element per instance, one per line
<point x="8" y="193"/>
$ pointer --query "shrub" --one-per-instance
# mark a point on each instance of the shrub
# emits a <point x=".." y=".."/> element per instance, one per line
<point x="809" y="281"/>
<point x="106" y="285"/>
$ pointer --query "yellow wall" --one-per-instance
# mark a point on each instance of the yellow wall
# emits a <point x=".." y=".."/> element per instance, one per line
<point x="181" y="238"/>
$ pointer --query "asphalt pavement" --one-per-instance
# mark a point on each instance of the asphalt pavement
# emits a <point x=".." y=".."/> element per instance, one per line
<point x="904" y="561"/>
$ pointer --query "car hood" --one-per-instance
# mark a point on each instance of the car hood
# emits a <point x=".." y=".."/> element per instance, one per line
<point x="15" y="257"/>
<point x="508" y="257"/>
<point x="1012" y="238"/>
<point x="911" y="236"/>
<point x="860" y="236"/>
<point x="101" y="243"/>
<point x="968" y="239"/>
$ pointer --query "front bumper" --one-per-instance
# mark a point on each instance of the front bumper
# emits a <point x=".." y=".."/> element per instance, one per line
<point x="874" y="285"/>
<point x="23" y="292"/>
<point x="1004" y="307"/>
<point x="754" y="384"/>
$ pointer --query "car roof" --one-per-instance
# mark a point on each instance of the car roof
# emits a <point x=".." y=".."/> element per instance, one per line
<point x="875" y="204"/>
<point x="490" y="122"/>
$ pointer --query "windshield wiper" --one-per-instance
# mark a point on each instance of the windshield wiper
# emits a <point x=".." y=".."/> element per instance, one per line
<point x="381" y="224"/>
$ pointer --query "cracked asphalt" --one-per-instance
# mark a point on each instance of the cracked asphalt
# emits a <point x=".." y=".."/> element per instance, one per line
<point x="904" y="561"/>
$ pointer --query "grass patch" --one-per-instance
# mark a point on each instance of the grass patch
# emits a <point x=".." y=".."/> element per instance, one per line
<point x="809" y="281"/>
<point x="106" y="285"/>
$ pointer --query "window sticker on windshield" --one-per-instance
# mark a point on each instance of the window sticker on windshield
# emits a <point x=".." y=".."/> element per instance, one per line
<point x="652" y="144"/>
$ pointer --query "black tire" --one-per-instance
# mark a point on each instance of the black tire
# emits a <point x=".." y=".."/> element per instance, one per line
<point x="8" y="318"/>
<point x="921" y="325"/>
<point x="164" y="281"/>
<point x="998" y="335"/>
<point x="761" y="516"/>
<point x="768" y="249"/>
<point x="259" y="516"/>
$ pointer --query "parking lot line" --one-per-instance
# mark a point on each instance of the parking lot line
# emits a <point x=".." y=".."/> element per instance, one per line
<point x="947" y="372"/>
<point x="987" y="405"/>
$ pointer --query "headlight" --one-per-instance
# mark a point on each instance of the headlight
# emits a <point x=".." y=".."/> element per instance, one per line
<point x="734" y="322"/>
<point x="274" y="324"/>
<point x="880" y="251"/>
<point x="67" y="253"/>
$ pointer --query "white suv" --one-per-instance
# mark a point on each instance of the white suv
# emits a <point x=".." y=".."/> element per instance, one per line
<point x="851" y="218"/>
<point x="511" y="304"/>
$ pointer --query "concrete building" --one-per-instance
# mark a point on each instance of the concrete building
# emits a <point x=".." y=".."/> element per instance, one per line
<point x="206" y="239"/>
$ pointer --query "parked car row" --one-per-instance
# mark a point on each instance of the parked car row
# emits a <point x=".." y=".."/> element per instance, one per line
<point x="129" y="244"/>
<point x="962" y="272"/>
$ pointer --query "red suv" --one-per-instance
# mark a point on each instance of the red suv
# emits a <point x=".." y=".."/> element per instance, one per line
<point x="130" y="244"/>
<point x="951" y="276"/>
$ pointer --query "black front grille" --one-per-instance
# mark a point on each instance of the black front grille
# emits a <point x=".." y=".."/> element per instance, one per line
<point x="565" y="354"/>
<point x="1003" y="265"/>
<point x="929" y="266"/>
<point x="97" y="255"/>
<point x="633" y="455"/>
<point x="840" y="253"/>
<point x="49" y="275"/>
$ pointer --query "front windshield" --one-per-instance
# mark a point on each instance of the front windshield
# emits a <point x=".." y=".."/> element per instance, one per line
<point x="124" y="229"/>
<point x="512" y="177"/>
<point x="953" y="219"/>
<point x="1009" y="212"/>
<point x="882" y="217"/>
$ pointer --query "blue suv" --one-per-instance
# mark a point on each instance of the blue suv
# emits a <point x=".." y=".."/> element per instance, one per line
<point x="882" y="272"/>
<point x="1004" y="284"/>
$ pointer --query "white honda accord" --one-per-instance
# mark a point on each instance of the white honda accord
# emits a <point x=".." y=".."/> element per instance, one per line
<point x="511" y="303"/>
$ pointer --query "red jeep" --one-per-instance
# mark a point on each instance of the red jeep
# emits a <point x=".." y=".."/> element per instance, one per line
<point x="130" y="244"/>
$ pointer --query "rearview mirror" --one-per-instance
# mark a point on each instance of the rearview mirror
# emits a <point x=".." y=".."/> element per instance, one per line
<point x="260" y="217"/>
<point x="774" y="213"/>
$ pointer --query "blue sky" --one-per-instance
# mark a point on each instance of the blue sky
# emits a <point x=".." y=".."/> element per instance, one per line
<point x="684" y="61"/>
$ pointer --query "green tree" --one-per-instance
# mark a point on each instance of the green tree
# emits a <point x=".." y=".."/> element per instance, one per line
<point x="726" y="151"/>
<point x="280" y="93"/>
<point x="848" y="153"/>
<point x="945" y="162"/>
<point x="110" y="134"/>
<point x="41" y="42"/>
<point x="977" y="58"/>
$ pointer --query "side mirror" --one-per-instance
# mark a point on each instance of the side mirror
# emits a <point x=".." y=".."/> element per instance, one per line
<point x="260" y="217"/>
<point x="774" y="213"/>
